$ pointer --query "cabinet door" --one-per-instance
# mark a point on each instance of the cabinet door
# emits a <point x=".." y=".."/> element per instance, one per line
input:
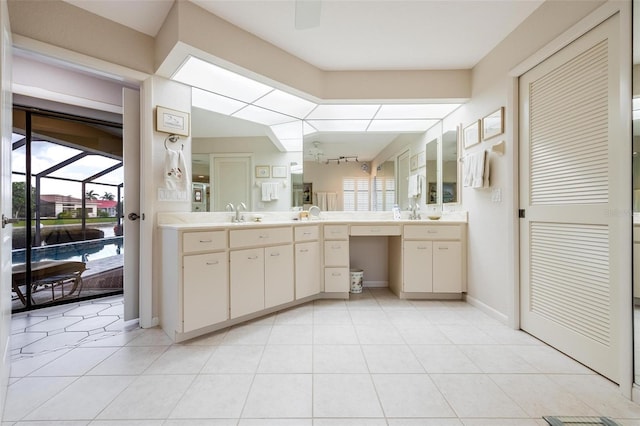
<point x="417" y="265"/>
<point x="447" y="267"/>
<point x="336" y="280"/>
<point x="278" y="275"/>
<point x="247" y="281"/>
<point x="205" y="290"/>
<point x="307" y="269"/>
<point x="336" y="253"/>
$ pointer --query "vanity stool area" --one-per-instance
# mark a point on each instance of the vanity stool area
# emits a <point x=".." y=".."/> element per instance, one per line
<point x="220" y="274"/>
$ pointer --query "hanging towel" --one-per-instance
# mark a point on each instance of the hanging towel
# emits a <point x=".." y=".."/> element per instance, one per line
<point x="332" y="201"/>
<point x="269" y="191"/>
<point x="321" y="200"/>
<point x="479" y="161"/>
<point x="175" y="171"/>
<point x="467" y="170"/>
<point x="415" y="186"/>
<point x="485" y="175"/>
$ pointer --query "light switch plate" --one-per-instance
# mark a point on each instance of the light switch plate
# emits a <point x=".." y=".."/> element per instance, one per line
<point x="496" y="195"/>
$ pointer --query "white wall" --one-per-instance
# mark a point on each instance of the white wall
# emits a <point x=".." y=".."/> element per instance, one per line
<point x="491" y="249"/>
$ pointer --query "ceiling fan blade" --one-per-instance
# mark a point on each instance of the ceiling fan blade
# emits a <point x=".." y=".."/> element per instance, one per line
<point x="307" y="14"/>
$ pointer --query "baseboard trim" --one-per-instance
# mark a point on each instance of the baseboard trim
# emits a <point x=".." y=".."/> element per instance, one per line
<point x="487" y="309"/>
<point x="376" y="284"/>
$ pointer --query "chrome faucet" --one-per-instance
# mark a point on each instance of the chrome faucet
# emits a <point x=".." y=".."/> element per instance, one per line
<point x="414" y="211"/>
<point x="230" y="208"/>
<point x="239" y="218"/>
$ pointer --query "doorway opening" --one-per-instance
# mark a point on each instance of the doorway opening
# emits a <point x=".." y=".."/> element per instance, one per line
<point x="67" y="189"/>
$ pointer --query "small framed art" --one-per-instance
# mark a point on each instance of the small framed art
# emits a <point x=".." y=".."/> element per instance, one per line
<point x="263" y="171"/>
<point x="279" y="171"/>
<point x="493" y="124"/>
<point x="172" y="121"/>
<point x="471" y="134"/>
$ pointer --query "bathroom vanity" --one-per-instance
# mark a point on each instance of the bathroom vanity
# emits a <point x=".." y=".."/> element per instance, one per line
<point x="215" y="275"/>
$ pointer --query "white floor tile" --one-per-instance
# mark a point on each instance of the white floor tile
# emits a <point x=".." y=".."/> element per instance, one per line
<point x="279" y="396"/>
<point x="391" y="359"/>
<point x="214" y="396"/>
<point x="546" y="359"/>
<point x="148" y="397"/>
<point x="286" y="359"/>
<point x="466" y="335"/>
<point x="151" y="337"/>
<point x="497" y="359"/>
<point x="349" y="422"/>
<point x="424" y="422"/>
<point x="87" y="310"/>
<point x="539" y="396"/>
<point x="93" y="323"/>
<point x="55" y="341"/>
<point x="422" y="335"/>
<point x="247" y="335"/>
<point x="54" y="324"/>
<point x="181" y="360"/>
<point x="476" y="395"/>
<point x="444" y="359"/>
<point x="234" y="359"/>
<point x="339" y="359"/>
<point x="275" y="422"/>
<point x="129" y="360"/>
<point x="199" y="422"/>
<point x="300" y="315"/>
<point x="291" y="334"/>
<point x="75" y="362"/>
<point x="84" y="399"/>
<point x="332" y="317"/>
<point x="25" y="365"/>
<point x="127" y="423"/>
<point x="345" y="395"/>
<point x="27" y="394"/>
<point x="410" y="395"/>
<point x="378" y="335"/>
<point x="334" y="335"/>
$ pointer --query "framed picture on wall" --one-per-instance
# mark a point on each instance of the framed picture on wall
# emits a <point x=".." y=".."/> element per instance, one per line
<point x="279" y="171"/>
<point x="422" y="159"/>
<point x="263" y="171"/>
<point x="471" y="134"/>
<point x="307" y="193"/>
<point x="493" y="124"/>
<point x="413" y="162"/>
<point x="172" y="121"/>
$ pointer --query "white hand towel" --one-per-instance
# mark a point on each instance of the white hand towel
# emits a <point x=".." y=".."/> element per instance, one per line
<point x="332" y="201"/>
<point x="467" y="170"/>
<point x="269" y="191"/>
<point x="414" y="188"/>
<point x="175" y="171"/>
<point x="478" y="169"/>
<point x="321" y="200"/>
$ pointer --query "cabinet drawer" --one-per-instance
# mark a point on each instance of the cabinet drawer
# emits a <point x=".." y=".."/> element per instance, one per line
<point x="336" y="253"/>
<point x="203" y="241"/>
<point x="306" y="233"/>
<point x="259" y="237"/>
<point x="336" y="232"/>
<point x="336" y="280"/>
<point x="375" y="230"/>
<point x="432" y="232"/>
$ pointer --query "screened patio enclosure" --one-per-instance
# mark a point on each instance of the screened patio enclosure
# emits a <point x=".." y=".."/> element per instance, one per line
<point x="67" y="190"/>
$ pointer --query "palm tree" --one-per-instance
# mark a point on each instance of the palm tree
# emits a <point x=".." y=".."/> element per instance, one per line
<point x="108" y="196"/>
<point x="91" y="195"/>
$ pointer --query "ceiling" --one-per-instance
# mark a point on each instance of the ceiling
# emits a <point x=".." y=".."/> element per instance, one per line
<point x="353" y="34"/>
<point x="350" y="35"/>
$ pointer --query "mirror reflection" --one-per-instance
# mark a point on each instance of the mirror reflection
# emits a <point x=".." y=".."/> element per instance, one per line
<point x="333" y="170"/>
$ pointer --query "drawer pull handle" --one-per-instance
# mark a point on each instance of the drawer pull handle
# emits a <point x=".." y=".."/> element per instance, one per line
<point x="252" y="257"/>
<point x="375" y="229"/>
<point x="335" y="232"/>
<point x="306" y="233"/>
<point x="212" y="263"/>
<point x="336" y="274"/>
<point x="206" y="241"/>
<point x="443" y="248"/>
<point x="263" y="236"/>
<point x="304" y="250"/>
<point x="275" y="254"/>
<point x="336" y="247"/>
<point x="422" y="248"/>
<point x="432" y="231"/>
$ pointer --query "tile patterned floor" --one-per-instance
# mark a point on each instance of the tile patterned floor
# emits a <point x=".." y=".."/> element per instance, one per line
<point x="372" y="360"/>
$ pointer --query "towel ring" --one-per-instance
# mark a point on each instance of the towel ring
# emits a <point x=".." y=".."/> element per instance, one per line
<point x="173" y="139"/>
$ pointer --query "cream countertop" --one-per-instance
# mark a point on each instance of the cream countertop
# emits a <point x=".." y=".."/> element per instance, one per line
<point x="189" y="220"/>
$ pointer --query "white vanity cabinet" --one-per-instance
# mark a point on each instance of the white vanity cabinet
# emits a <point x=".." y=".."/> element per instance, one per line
<point x="433" y="260"/>
<point x="260" y="277"/>
<point x="307" y="261"/>
<point x="336" y="258"/>
<point x="195" y="288"/>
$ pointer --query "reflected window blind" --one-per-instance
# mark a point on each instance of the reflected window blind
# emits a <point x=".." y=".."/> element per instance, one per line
<point x="355" y="192"/>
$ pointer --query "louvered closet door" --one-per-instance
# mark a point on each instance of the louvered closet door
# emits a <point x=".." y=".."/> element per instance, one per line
<point x="569" y="148"/>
